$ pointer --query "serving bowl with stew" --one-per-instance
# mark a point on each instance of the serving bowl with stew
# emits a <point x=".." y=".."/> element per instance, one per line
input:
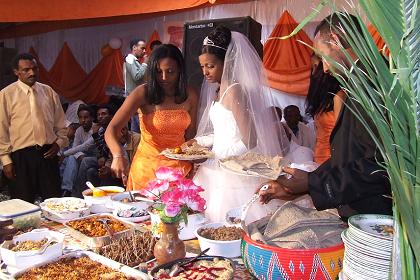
<point x="222" y="240"/>
<point x="101" y="204"/>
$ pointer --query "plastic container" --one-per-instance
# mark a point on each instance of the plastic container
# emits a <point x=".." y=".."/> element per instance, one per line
<point x="24" y="214"/>
<point x="26" y="259"/>
<point x="227" y="249"/>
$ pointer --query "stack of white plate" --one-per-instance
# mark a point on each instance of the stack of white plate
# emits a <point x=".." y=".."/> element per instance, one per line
<point x="368" y="247"/>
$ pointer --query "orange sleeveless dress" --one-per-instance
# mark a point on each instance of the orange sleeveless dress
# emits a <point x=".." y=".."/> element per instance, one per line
<point x="160" y="130"/>
<point x="324" y="123"/>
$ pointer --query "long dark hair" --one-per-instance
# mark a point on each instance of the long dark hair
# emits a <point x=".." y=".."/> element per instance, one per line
<point x="322" y="88"/>
<point x="155" y="93"/>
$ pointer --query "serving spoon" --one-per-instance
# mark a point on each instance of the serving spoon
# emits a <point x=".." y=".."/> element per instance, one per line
<point x="237" y="215"/>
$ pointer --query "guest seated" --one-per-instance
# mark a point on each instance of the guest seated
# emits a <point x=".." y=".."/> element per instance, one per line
<point x="83" y="146"/>
<point x="300" y="132"/>
<point x="88" y="170"/>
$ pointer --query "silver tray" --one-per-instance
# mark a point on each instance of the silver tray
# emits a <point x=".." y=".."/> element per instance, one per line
<point x="128" y="271"/>
<point x="95" y="242"/>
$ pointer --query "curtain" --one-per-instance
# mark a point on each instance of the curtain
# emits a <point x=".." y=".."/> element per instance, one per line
<point x="288" y="62"/>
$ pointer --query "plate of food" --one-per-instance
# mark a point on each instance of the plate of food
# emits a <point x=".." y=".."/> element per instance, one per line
<point x="132" y="214"/>
<point x="64" y="209"/>
<point x="193" y="152"/>
<point x="203" y="267"/>
<point x="256" y="165"/>
<point x="92" y="232"/>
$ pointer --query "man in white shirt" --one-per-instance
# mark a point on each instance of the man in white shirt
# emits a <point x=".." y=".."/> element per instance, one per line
<point x="134" y="72"/>
<point x="300" y="132"/>
<point x="83" y="145"/>
<point x="32" y="131"/>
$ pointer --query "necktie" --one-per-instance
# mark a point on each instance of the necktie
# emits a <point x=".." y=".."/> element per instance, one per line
<point x="40" y="136"/>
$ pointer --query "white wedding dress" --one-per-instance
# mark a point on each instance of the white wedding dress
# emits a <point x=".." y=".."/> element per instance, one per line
<point x="225" y="190"/>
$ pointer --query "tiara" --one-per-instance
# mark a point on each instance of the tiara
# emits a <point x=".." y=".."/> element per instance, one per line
<point x="208" y="42"/>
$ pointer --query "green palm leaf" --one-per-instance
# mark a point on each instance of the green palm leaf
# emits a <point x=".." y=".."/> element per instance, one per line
<point x="390" y="96"/>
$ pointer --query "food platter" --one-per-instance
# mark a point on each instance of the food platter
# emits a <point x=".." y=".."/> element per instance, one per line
<point x="98" y="241"/>
<point x="194" y="152"/>
<point x="130" y="273"/>
<point x="255" y="165"/>
<point x="64" y="209"/>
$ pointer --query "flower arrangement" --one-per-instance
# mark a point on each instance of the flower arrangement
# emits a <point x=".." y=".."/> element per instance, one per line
<point x="174" y="195"/>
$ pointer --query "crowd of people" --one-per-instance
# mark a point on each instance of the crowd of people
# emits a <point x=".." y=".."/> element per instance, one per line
<point x="45" y="154"/>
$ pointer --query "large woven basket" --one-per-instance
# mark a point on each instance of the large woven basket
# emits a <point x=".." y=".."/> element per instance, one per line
<point x="268" y="262"/>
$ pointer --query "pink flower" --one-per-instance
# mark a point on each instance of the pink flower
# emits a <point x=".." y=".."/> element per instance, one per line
<point x="187" y="184"/>
<point x="193" y="201"/>
<point x="171" y="196"/>
<point x="169" y="174"/>
<point x="155" y="188"/>
<point x="174" y="192"/>
<point x="172" y="209"/>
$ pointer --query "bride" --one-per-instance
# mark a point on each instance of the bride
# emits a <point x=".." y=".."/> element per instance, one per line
<point x="235" y="117"/>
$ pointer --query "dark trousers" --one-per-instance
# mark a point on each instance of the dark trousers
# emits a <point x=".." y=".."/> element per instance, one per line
<point x="35" y="175"/>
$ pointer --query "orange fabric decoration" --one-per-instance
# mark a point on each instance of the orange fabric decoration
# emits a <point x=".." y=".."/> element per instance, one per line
<point x="160" y="130"/>
<point x="153" y="37"/>
<point x="106" y="50"/>
<point x="379" y="42"/>
<point x="288" y="62"/>
<point x="47" y="10"/>
<point x="72" y="83"/>
<point x="66" y="71"/>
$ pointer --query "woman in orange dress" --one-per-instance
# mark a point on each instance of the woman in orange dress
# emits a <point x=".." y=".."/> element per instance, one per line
<point x="323" y="103"/>
<point x="167" y="110"/>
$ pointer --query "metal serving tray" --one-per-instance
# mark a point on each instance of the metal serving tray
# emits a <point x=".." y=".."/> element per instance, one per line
<point x="95" y="242"/>
<point x="128" y="271"/>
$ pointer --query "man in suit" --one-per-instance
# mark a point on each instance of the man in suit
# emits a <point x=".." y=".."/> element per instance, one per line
<point x="351" y="180"/>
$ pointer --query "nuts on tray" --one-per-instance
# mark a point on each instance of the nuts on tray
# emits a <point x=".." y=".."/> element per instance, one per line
<point x="73" y="269"/>
<point x="92" y="227"/>
<point x="222" y="233"/>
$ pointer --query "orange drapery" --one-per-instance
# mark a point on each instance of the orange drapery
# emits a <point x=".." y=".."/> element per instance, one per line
<point x="377" y="38"/>
<point x="66" y="71"/>
<point x="153" y="37"/>
<point x="47" y="10"/>
<point x="69" y="80"/>
<point x="288" y="62"/>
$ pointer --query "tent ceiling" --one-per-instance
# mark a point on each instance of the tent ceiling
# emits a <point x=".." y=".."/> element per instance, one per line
<point x="51" y="10"/>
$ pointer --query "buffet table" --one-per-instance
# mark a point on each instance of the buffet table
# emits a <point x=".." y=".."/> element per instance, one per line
<point x="192" y="247"/>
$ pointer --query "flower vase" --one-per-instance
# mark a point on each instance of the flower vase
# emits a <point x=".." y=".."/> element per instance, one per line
<point x="169" y="247"/>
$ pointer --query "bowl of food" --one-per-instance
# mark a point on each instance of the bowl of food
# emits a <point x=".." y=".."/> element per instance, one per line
<point x="31" y="248"/>
<point x="222" y="240"/>
<point x="64" y="209"/>
<point x="204" y="267"/>
<point x="100" y="200"/>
